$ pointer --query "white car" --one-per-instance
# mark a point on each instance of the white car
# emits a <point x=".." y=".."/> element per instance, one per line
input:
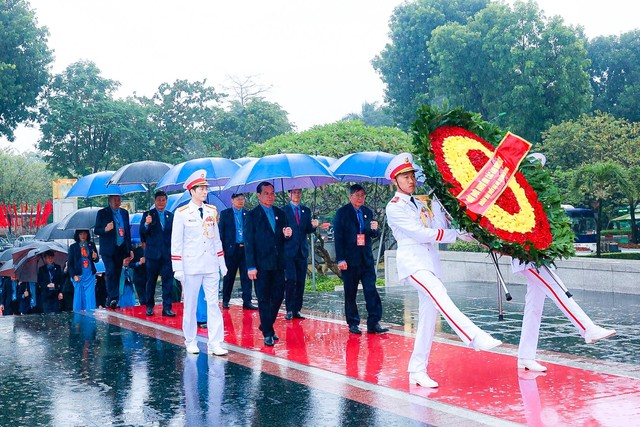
<point x="23" y="240"/>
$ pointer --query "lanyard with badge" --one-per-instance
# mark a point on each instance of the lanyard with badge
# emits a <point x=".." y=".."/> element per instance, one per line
<point x="360" y="237"/>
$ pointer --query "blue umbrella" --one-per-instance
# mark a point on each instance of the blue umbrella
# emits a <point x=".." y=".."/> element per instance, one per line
<point x="244" y="160"/>
<point x="218" y="169"/>
<point x="328" y="161"/>
<point x="284" y="171"/>
<point x="95" y="185"/>
<point x="221" y="201"/>
<point x="368" y="166"/>
<point x="134" y="225"/>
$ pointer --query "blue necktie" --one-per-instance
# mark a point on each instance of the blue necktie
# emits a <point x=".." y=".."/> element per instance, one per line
<point x="161" y="216"/>
<point x="360" y="220"/>
<point x="272" y="219"/>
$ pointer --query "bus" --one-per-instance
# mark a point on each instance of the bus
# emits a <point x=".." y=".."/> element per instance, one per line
<point x="583" y="223"/>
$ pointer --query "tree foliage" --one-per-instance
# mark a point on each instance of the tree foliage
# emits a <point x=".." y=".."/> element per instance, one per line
<point x="372" y="115"/>
<point x="24" y="63"/>
<point x="615" y="74"/>
<point x="405" y="64"/>
<point x="24" y="177"/>
<point x="513" y="65"/>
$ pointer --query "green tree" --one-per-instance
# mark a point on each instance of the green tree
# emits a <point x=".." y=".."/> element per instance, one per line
<point x="24" y="178"/>
<point x="405" y="64"/>
<point x="615" y="74"/>
<point x="372" y="115"/>
<point x="183" y="116"/>
<point x="85" y="130"/>
<point x="24" y="63"/>
<point x="598" y="183"/>
<point x="247" y="122"/>
<point x="515" y="65"/>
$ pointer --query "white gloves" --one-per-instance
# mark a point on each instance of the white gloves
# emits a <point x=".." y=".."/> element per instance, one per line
<point x="466" y="237"/>
<point x="223" y="268"/>
<point x="179" y="275"/>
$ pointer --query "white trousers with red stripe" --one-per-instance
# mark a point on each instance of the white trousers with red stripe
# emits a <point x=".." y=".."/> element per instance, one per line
<point x="433" y="299"/>
<point x="191" y="289"/>
<point x="540" y="284"/>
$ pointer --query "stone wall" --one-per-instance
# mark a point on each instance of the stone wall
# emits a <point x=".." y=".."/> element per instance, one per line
<point x="619" y="276"/>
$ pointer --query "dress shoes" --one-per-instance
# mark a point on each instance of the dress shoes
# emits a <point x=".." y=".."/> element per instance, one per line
<point x="276" y="338"/>
<point x="249" y="306"/>
<point x="353" y="329"/>
<point x="168" y="313"/>
<point x="202" y="325"/>
<point x="298" y="315"/>
<point x="531" y="365"/>
<point x="377" y="329"/>
<point x="193" y="348"/>
<point x="422" y="379"/>
<point x="596" y="333"/>
<point x="225" y="305"/>
<point x="149" y="311"/>
<point x="483" y="341"/>
<point x="289" y="315"/>
<point x="113" y="304"/>
<point x="218" y="350"/>
<point x="269" y="341"/>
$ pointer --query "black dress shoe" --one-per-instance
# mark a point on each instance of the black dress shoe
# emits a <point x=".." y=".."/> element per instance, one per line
<point x="249" y="306"/>
<point x="298" y="315"/>
<point x="168" y="313"/>
<point x="202" y="325"/>
<point x="113" y="304"/>
<point x="225" y="305"/>
<point x="269" y="341"/>
<point x="377" y="329"/>
<point x="353" y="329"/>
<point x="149" y="311"/>
<point x="276" y="338"/>
<point x="289" y="315"/>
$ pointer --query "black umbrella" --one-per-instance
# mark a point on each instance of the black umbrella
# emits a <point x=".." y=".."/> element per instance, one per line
<point x="82" y="219"/>
<point x="51" y="232"/>
<point x="145" y="172"/>
<point x="27" y="269"/>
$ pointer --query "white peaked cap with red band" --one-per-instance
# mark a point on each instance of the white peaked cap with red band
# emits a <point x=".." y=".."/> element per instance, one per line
<point x="401" y="163"/>
<point x="199" y="177"/>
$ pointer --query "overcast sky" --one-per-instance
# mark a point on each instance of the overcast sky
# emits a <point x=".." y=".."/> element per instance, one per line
<point x="316" y="56"/>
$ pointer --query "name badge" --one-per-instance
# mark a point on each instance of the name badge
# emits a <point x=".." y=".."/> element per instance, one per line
<point x="121" y="231"/>
<point x="360" y="239"/>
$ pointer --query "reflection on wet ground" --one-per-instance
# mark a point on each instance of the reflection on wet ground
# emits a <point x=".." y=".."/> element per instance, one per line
<point x="78" y="370"/>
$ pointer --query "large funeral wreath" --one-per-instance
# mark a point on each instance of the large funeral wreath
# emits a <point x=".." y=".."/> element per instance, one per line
<point x="527" y="220"/>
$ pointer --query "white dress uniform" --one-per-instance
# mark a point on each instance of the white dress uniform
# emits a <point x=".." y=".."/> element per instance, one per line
<point x="543" y="283"/>
<point x="418" y="228"/>
<point x="196" y="250"/>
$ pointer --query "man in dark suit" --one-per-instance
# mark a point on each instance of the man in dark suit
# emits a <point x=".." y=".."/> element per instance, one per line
<point x="112" y="225"/>
<point x="353" y="229"/>
<point x="155" y="229"/>
<point x="139" y="266"/>
<point x="50" y="281"/>
<point x="232" y="235"/>
<point x="265" y="232"/>
<point x="296" y="251"/>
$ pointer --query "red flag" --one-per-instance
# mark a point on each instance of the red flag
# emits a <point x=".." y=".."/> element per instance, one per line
<point x="46" y="211"/>
<point x="15" y="215"/>
<point x="31" y="217"/>
<point x="3" y="216"/>
<point x="38" y="209"/>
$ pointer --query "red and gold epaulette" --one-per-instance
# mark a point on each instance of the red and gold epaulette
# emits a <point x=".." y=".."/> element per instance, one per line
<point x="395" y="199"/>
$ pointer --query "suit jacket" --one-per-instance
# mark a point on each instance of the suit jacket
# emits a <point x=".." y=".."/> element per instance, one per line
<point x="227" y="227"/>
<point x="139" y="271"/>
<point x="50" y="296"/>
<point x="264" y="248"/>
<point x="345" y="230"/>
<point x="108" y="238"/>
<point x="75" y="259"/>
<point x="298" y="243"/>
<point x="158" y="240"/>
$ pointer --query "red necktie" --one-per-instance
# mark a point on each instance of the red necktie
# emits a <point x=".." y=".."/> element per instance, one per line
<point x="297" y="215"/>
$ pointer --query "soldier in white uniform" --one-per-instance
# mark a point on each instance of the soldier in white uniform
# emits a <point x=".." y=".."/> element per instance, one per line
<point x="198" y="260"/>
<point x="418" y="227"/>
<point x="542" y="283"/>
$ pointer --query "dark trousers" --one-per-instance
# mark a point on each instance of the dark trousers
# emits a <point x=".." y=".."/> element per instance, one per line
<point x="162" y="268"/>
<point x="234" y="263"/>
<point x="113" y="270"/>
<point x="367" y="275"/>
<point x="295" y="274"/>
<point x="270" y="291"/>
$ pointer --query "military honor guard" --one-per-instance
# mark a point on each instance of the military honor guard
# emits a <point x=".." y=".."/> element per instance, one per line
<point x="418" y="227"/>
<point x="198" y="260"/>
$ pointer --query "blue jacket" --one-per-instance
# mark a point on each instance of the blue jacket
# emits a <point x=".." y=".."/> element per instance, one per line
<point x="158" y="240"/>
<point x="75" y="259"/>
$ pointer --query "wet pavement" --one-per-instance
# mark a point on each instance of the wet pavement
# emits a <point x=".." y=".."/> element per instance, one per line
<point x="119" y="368"/>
